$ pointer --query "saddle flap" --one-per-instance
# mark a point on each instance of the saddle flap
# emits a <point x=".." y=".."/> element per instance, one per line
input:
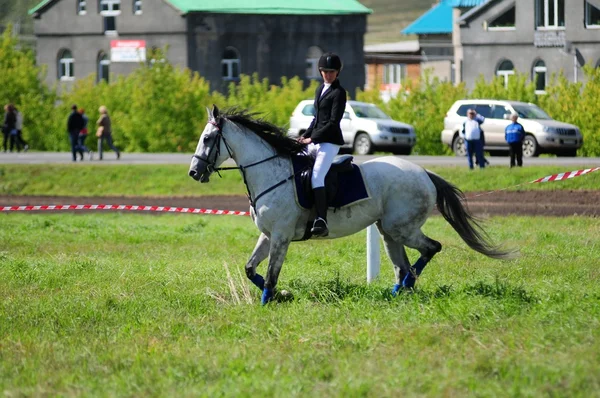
<point x="342" y="163"/>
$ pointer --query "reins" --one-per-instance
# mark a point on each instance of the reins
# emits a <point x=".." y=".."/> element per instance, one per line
<point x="242" y="168"/>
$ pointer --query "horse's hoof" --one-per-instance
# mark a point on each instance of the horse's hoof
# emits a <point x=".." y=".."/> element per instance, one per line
<point x="267" y="296"/>
<point x="283" y="296"/>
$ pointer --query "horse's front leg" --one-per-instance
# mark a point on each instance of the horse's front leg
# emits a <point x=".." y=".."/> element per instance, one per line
<point x="277" y="253"/>
<point x="261" y="251"/>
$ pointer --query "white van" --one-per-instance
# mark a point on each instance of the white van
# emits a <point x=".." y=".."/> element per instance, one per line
<point x="365" y="128"/>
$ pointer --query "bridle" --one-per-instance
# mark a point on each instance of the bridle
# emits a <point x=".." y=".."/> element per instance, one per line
<point x="210" y="166"/>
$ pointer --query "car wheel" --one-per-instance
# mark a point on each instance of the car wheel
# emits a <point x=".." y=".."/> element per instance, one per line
<point x="530" y="147"/>
<point x="363" y="145"/>
<point x="459" y="147"/>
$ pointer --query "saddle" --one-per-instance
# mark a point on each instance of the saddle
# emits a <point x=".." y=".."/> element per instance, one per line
<point x="344" y="183"/>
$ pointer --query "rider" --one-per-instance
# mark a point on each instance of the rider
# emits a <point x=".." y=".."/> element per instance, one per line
<point x="324" y="135"/>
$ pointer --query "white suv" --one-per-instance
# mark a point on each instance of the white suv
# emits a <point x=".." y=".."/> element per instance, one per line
<point x="543" y="134"/>
<point x="365" y="128"/>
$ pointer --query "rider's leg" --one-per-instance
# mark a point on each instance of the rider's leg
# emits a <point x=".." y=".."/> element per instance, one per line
<point x="325" y="155"/>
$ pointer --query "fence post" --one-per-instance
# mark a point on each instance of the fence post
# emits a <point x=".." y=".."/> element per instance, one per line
<point x="373" y="258"/>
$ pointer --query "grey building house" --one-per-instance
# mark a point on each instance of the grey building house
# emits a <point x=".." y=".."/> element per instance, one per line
<point x="537" y="37"/>
<point x="220" y="40"/>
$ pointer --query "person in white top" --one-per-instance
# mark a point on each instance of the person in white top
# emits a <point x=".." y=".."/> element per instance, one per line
<point x="472" y="134"/>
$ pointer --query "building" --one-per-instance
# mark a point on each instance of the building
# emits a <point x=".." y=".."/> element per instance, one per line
<point x="220" y="40"/>
<point x="390" y="65"/>
<point x="538" y="37"/>
<point x="437" y="37"/>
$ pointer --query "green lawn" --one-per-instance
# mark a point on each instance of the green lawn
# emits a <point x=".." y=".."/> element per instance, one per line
<point x="132" y="305"/>
<point x="173" y="180"/>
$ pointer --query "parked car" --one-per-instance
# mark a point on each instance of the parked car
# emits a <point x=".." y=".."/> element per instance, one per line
<point x="365" y="128"/>
<point x="543" y="134"/>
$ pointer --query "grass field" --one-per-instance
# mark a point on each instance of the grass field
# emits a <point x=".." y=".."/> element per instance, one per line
<point x="173" y="180"/>
<point x="131" y="305"/>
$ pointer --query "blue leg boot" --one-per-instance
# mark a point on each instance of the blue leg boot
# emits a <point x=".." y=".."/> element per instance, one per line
<point x="266" y="296"/>
<point x="409" y="280"/>
<point x="258" y="281"/>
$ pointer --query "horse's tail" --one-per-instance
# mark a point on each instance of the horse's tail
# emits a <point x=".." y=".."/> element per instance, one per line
<point x="449" y="204"/>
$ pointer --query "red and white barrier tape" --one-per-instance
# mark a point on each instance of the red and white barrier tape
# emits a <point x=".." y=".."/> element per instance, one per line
<point x="565" y="176"/>
<point x="166" y="209"/>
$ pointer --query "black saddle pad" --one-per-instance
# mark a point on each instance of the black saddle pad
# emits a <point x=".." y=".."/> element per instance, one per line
<point x="350" y="185"/>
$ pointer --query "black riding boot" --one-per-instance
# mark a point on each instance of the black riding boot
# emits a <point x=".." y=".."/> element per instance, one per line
<point x="320" y="224"/>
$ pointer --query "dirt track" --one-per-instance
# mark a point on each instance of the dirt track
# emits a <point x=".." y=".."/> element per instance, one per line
<point x="535" y="203"/>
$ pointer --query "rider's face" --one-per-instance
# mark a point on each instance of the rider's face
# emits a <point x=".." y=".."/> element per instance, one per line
<point x="329" y="76"/>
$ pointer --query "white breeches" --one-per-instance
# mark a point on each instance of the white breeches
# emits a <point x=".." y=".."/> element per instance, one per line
<point x="324" y="153"/>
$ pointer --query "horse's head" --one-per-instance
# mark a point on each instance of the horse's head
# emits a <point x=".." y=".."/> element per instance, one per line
<point x="212" y="149"/>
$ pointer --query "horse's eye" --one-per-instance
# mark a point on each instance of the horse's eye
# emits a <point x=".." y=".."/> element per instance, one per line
<point x="206" y="138"/>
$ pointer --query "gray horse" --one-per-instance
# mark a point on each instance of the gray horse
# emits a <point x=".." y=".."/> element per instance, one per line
<point x="403" y="196"/>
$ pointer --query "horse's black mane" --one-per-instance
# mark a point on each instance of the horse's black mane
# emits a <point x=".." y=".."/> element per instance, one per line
<point x="274" y="135"/>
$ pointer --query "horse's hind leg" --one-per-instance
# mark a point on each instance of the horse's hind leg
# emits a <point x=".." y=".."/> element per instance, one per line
<point x="261" y="251"/>
<point x="397" y="254"/>
<point x="428" y="248"/>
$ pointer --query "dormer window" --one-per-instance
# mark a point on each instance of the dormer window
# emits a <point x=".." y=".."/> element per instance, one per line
<point x="550" y="14"/>
<point x="137" y="7"/>
<point x="81" y="7"/>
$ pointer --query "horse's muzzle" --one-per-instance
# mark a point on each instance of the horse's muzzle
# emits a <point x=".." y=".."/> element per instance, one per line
<point x="198" y="176"/>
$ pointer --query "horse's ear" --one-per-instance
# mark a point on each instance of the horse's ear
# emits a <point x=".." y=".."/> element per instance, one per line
<point x="215" y="112"/>
<point x="209" y="113"/>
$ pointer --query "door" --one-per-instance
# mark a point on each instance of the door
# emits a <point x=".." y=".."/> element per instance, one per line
<point x="498" y="125"/>
<point x="346" y="126"/>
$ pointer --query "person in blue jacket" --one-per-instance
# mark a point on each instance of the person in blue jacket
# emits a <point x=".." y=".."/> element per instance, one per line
<point x="514" y="135"/>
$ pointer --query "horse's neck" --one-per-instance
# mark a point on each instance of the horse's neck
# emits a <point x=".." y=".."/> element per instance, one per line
<point x="248" y="149"/>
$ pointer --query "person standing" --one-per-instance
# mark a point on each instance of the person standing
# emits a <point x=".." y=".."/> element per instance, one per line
<point x="514" y="135"/>
<point x="471" y="133"/>
<point x="9" y="127"/>
<point x="21" y="143"/>
<point x="324" y="135"/>
<point x="74" y="126"/>
<point x="83" y="135"/>
<point x="106" y="133"/>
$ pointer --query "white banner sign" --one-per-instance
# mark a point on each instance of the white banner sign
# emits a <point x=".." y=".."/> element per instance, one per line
<point x="128" y="50"/>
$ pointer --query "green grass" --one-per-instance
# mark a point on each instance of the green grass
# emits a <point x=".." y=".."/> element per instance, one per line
<point x="131" y="305"/>
<point x="172" y="180"/>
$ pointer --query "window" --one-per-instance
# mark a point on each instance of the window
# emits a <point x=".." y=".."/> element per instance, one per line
<point x="137" y="7"/>
<point x="506" y="69"/>
<point x="110" y="7"/>
<point x="230" y="64"/>
<point x="499" y="112"/>
<point x="66" y="66"/>
<point x="592" y="14"/>
<point x="81" y="7"/>
<point x="394" y="73"/>
<point x="312" y="63"/>
<point x="309" y="110"/>
<point x="110" y="25"/>
<point x="462" y="111"/>
<point x="550" y="14"/>
<point x="484" y="110"/>
<point x="504" y="21"/>
<point x="539" y="76"/>
<point x="103" y="66"/>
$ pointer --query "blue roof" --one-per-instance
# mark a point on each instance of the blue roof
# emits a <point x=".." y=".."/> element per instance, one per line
<point x="438" y="19"/>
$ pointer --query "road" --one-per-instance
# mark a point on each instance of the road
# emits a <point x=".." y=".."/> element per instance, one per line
<point x="178" y="158"/>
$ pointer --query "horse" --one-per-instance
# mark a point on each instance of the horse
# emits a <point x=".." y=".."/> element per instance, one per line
<point x="402" y="196"/>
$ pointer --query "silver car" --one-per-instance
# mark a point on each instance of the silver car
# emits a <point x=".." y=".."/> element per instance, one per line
<point x="543" y="134"/>
<point x="365" y="128"/>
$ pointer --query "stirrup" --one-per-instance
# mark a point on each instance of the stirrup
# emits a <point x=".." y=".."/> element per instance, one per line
<point x="320" y="227"/>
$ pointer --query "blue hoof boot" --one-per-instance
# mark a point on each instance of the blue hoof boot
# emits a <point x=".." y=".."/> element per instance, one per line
<point x="259" y="281"/>
<point x="266" y="296"/>
<point x="396" y="289"/>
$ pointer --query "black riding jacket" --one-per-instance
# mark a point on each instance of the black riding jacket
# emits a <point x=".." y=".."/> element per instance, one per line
<point x="329" y="111"/>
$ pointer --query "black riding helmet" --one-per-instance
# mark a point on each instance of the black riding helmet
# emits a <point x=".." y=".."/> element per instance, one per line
<point x="330" y="61"/>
